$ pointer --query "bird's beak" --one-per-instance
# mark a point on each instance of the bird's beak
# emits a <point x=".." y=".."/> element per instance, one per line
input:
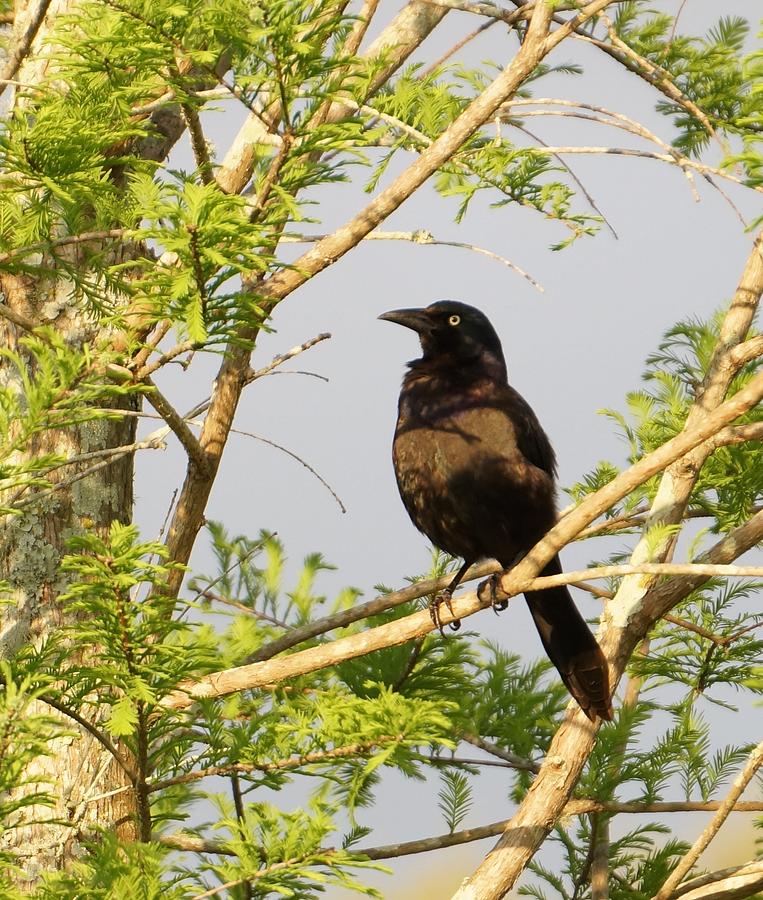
<point x="416" y="319"/>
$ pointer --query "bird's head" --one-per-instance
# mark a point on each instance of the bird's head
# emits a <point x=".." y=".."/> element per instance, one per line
<point x="451" y="332"/>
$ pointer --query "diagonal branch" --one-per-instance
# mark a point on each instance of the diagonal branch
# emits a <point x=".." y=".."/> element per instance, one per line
<point x="724" y="884"/>
<point x="754" y="762"/>
<point x="178" y="425"/>
<point x="23" y="45"/>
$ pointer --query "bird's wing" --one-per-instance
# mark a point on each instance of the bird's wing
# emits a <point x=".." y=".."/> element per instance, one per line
<point x="532" y="440"/>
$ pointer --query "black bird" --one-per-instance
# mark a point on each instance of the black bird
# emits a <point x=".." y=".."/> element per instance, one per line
<point x="476" y="473"/>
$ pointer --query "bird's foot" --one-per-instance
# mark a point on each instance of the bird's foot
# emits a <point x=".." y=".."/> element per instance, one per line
<point x="445" y="597"/>
<point x="490" y="591"/>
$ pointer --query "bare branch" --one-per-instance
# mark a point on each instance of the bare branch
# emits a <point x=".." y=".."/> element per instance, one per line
<point x="754" y="762"/>
<point x="748" y="351"/>
<point x="682" y="162"/>
<point x="512" y="759"/>
<point x="294" y="456"/>
<point x="178" y="425"/>
<point x="709" y="571"/>
<point x="724" y="884"/>
<point x="573" y="808"/>
<point x="485" y="9"/>
<point x="426" y="238"/>
<point x="21" y="47"/>
<point x="180" y="841"/>
<point x="198" y="143"/>
<point x="599" y="857"/>
<point x="279" y="360"/>
<point x="458" y="46"/>
<point x="148" y="369"/>
<point x="364" y="610"/>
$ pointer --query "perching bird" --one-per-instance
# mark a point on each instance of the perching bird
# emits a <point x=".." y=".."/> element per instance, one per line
<point x="476" y="473"/>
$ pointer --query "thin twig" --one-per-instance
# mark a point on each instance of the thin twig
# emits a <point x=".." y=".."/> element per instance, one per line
<point x="457" y="46"/>
<point x="683" y="162"/>
<point x="572" y="175"/>
<point x="149" y="368"/>
<point x="109" y="456"/>
<point x="279" y="360"/>
<point x="178" y="425"/>
<point x="657" y="569"/>
<point x="512" y="759"/>
<point x="686" y="864"/>
<point x="423" y="237"/>
<point x="66" y="241"/>
<point x="243" y="608"/>
<point x="237" y="563"/>
<point x="279" y="765"/>
<point x="95" y="732"/>
<point x="198" y="143"/>
<point x="298" y="459"/>
<point x="392" y="851"/>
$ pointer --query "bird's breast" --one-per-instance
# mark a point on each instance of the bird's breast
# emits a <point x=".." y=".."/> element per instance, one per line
<point x="466" y="484"/>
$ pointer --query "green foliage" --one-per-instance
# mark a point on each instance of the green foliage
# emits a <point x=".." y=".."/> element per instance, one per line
<point x="212" y="242"/>
<point x="711" y="71"/>
<point x="455" y="798"/>
<point x="113" y="870"/>
<point x="284" y="852"/>
<point x="690" y="658"/>
<point x="730" y="484"/>
<point x="47" y="385"/>
<point x="26" y="734"/>
<point x="417" y="109"/>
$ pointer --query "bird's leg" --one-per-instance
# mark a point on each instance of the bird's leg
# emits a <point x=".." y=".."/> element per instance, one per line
<point x="499" y="600"/>
<point x="490" y="591"/>
<point x="446" y="597"/>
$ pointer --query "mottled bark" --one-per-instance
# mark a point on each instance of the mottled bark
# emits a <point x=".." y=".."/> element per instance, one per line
<point x="31" y="546"/>
<point x="32" y="543"/>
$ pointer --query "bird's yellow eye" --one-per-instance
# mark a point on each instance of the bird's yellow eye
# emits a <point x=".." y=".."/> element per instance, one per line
<point x="454" y="320"/>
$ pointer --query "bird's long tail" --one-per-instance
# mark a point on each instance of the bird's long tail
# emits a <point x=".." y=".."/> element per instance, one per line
<point x="571" y="646"/>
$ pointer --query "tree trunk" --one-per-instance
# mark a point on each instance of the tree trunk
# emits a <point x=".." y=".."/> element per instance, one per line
<point x="79" y="769"/>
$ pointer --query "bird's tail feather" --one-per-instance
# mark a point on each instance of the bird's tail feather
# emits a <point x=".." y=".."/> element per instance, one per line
<point x="571" y="646"/>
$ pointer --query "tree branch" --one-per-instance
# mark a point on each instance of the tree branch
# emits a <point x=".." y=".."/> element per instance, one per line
<point x="515" y="581"/>
<point x="195" y="844"/>
<point x="23" y="44"/>
<point x="279" y="765"/>
<point x="754" y="762"/>
<point x="516" y="762"/>
<point x="88" y="726"/>
<point x="189" y="512"/>
<point x="178" y="425"/>
<point x="724" y="884"/>
<point x="424" y="237"/>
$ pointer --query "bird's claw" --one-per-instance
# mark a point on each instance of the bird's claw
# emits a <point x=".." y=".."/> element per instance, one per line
<point x="490" y="591"/>
<point x="445" y="597"/>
